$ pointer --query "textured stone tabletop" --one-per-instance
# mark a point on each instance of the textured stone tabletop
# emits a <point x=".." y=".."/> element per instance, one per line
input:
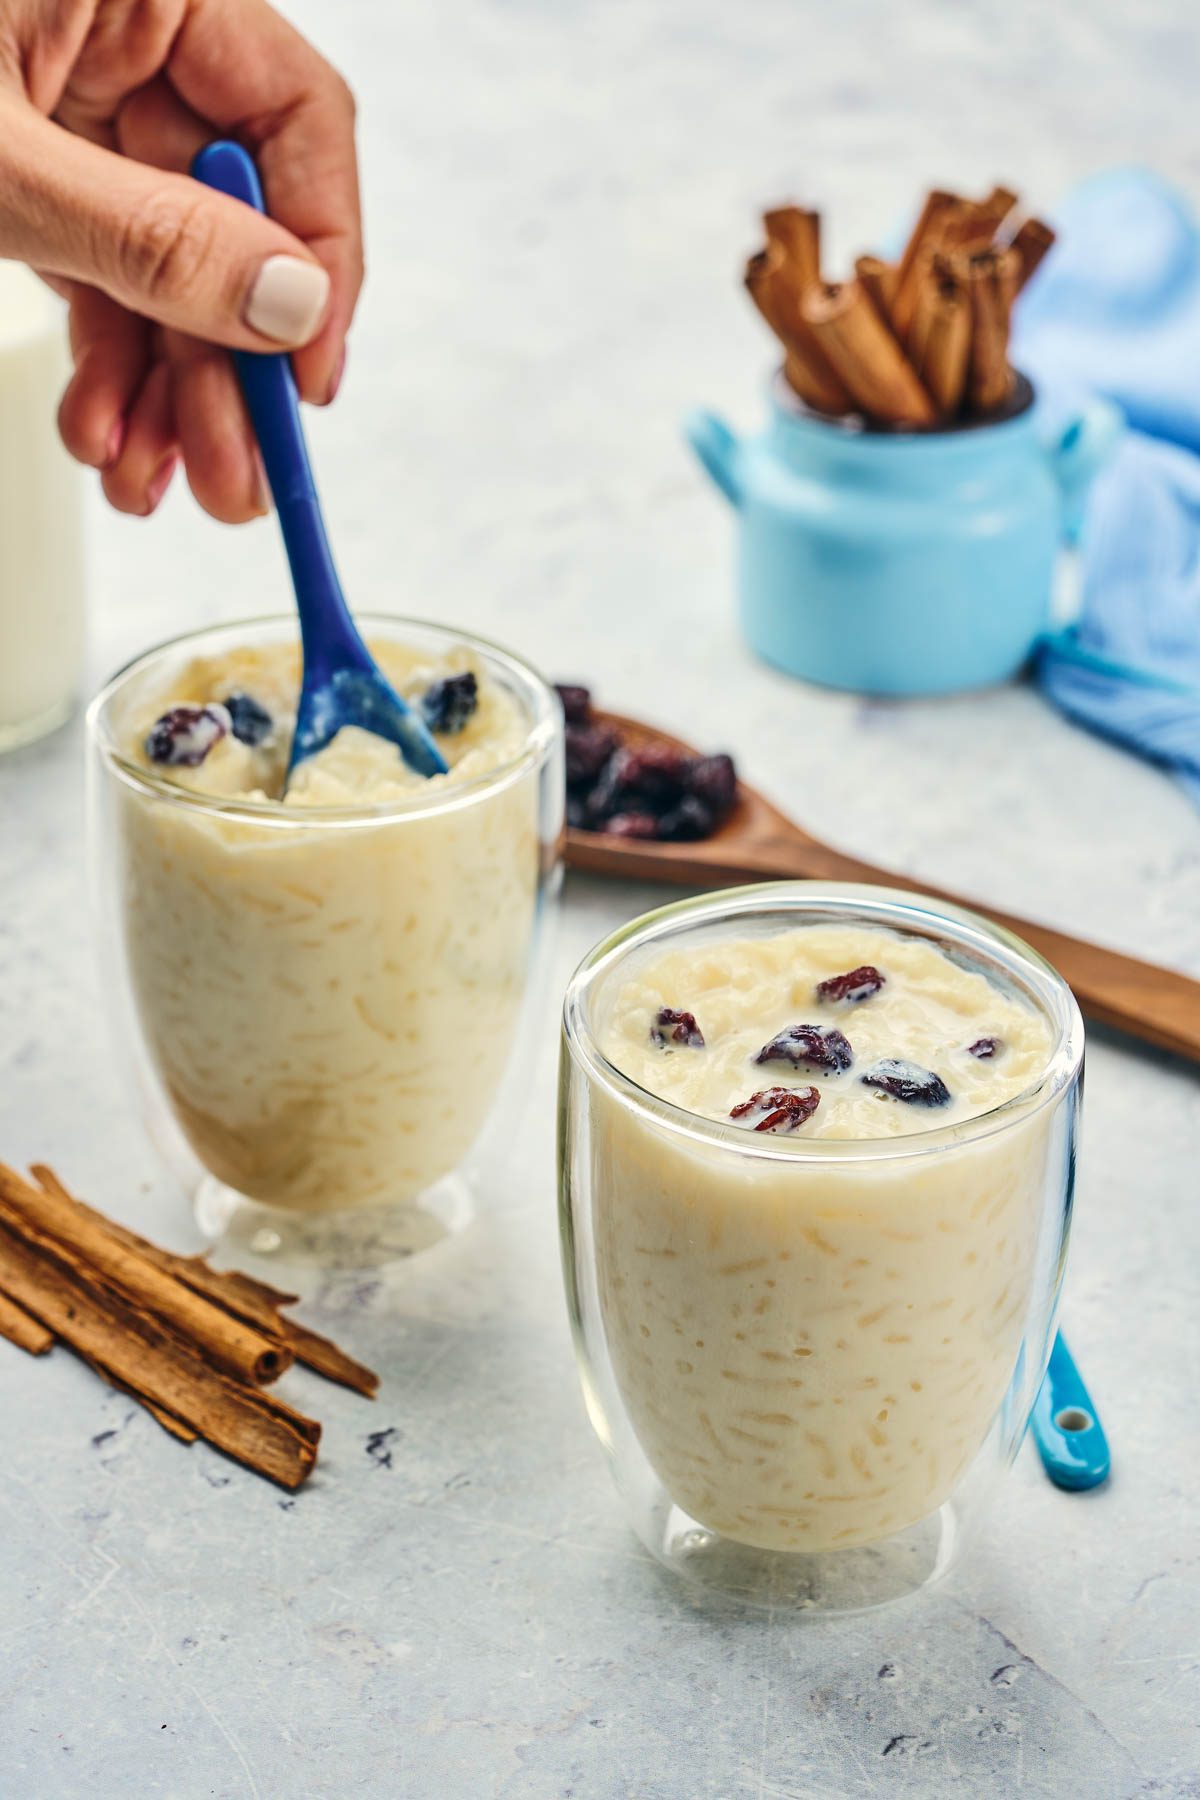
<point x="558" y="196"/>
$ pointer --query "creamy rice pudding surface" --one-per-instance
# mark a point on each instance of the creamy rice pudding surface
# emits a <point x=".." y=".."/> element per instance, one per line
<point x="812" y="1352"/>
<point x="329" y="1005"/>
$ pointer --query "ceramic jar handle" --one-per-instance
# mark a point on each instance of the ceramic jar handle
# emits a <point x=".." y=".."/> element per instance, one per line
<point x="1077" y="453"/>
<point x="718" y="448"/>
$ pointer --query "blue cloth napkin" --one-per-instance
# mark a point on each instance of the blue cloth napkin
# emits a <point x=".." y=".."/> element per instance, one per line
<point x="1115" y="311"/>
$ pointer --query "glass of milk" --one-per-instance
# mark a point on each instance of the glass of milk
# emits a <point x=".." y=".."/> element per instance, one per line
<point x="810" y="1344"/>
<point x="41" y="529"/>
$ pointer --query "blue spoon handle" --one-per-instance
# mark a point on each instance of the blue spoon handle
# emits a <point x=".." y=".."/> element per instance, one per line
<point x="1066" y="1426"/>
<point x="331" y="639"/>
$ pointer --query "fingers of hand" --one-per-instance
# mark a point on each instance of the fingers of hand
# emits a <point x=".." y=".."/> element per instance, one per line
<point x="297" y="115"/>
<point x="139" y="477"/>
<point x="154" y="126"/>
<point x="111" y="350"/>
<point x="221" y="457"/>
<point x="157" y="242"/>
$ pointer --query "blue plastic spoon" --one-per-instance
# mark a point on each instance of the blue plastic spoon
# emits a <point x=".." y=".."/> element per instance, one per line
<point x="342" y="684"/>
<point x="1066" y="1426"/>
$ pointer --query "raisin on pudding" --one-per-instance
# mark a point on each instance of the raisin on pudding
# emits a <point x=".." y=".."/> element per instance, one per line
<point x="985" y="1048"/>
<point x="184" y="735"/>
<point x="808" y="1047"/>
<point x="249" y="721"/>
<point x="675" y="1027"/>
<point x="782" y="1109"/>
<point x="906" y="1081"/>
<point x="448" y="704"/>
<point x="853" y="987"/>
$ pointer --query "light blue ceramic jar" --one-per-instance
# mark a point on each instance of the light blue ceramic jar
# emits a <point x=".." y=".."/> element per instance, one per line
<point x="902" y="562"/>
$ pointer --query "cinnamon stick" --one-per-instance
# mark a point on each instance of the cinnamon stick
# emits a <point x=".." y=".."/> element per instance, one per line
<point x="999" y="203"/>
<point x="244" y="1296"/>
<point x="1031" y="241"/>
<point x="22" y="1329"/>
<point x="939" y="342"/>
<point x="86" y="1243"/>
<point x="175" y="1427"/>
<point x="866" y="356"/>
<point x="777" y="294"/>
<point x="972" y="224"/>
<point x="797" y="233"/>
<point x="129" y="1346"/>
<point x="879" y="278"/>
<point x="923" y="240"/>
<point x="991" y="280"/>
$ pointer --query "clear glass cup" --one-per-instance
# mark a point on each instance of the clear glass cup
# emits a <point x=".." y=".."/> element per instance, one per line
<point x="42" y="581"/>
<point x="810" y="1363"/>
<point x="322" y="1003"/>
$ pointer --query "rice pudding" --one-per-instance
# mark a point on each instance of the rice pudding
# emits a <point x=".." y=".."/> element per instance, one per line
<point x="812" y="1348"/>
<point x="327" y="978"/>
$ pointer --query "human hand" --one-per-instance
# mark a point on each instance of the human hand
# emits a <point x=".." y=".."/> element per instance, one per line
<point x="103" y="104"/>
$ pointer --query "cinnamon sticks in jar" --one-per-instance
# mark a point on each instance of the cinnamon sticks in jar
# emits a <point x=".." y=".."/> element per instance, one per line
<point x="915" y="344"/>
<point x="865" y="355"/>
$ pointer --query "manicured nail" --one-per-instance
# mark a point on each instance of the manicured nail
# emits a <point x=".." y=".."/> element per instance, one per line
<point x="262" y="494"/>
<point x="161" y="481"/>
<point x="288" y="300"/>
<point x="113" y="442"/>
<point x="336" y="383"/>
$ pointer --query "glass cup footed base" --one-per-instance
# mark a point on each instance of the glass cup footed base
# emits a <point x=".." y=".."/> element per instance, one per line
<point x="16" y="734"/>
<point x="365" y="1237"/>
<point x="822" y="1584"/>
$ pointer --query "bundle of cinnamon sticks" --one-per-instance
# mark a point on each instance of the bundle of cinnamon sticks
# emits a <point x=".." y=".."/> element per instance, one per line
<point x="195" y="1345"/>
<point x="917" y="343"/>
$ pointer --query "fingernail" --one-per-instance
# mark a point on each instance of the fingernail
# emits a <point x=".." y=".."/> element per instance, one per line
<point x="262" y="495"/>
<point x="113" y="442"/>
<point x="161" y="481"/>
<point x="336" y="383"/>
<point x="288" y="299"/>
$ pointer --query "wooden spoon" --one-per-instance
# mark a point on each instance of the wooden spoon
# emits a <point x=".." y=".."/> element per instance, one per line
<point x="759" y="843"/>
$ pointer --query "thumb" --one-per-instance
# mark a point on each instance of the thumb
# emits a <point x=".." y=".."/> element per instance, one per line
<point x="161" y="244"/>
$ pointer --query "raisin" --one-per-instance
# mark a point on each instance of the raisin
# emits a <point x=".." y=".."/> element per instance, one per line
<point x="713" y="780"/>
<point x="783" y="1109"/>
<point x="906" y="1081"/>
<point x="588" y="748"/>
<point x="631" y="825"/>
<point x="687" y="822"/>
<point x="985" y="1048"/>
<point x="576" y="703"/>
<point x="807" y="1046"/>
<point x="654" y="772"/>
<point x="249" y="721"/>
<point x="607" y="797"/>
<point x="857" y="984"/>
<point x="448" y="704"/>
<point x="183" y="737"/>
<point x="676" y="1028"/>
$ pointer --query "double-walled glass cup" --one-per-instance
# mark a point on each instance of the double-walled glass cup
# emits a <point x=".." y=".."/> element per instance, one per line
<point x="810" y="1363"/>
<point x="323" y="1002"/>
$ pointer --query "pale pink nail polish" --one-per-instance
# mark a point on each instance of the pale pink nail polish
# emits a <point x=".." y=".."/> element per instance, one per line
<point x="288" y="300"/>
<point x="161" y="481"/>
<point x="113" y="443"/>
<point x="336" y="382"/>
